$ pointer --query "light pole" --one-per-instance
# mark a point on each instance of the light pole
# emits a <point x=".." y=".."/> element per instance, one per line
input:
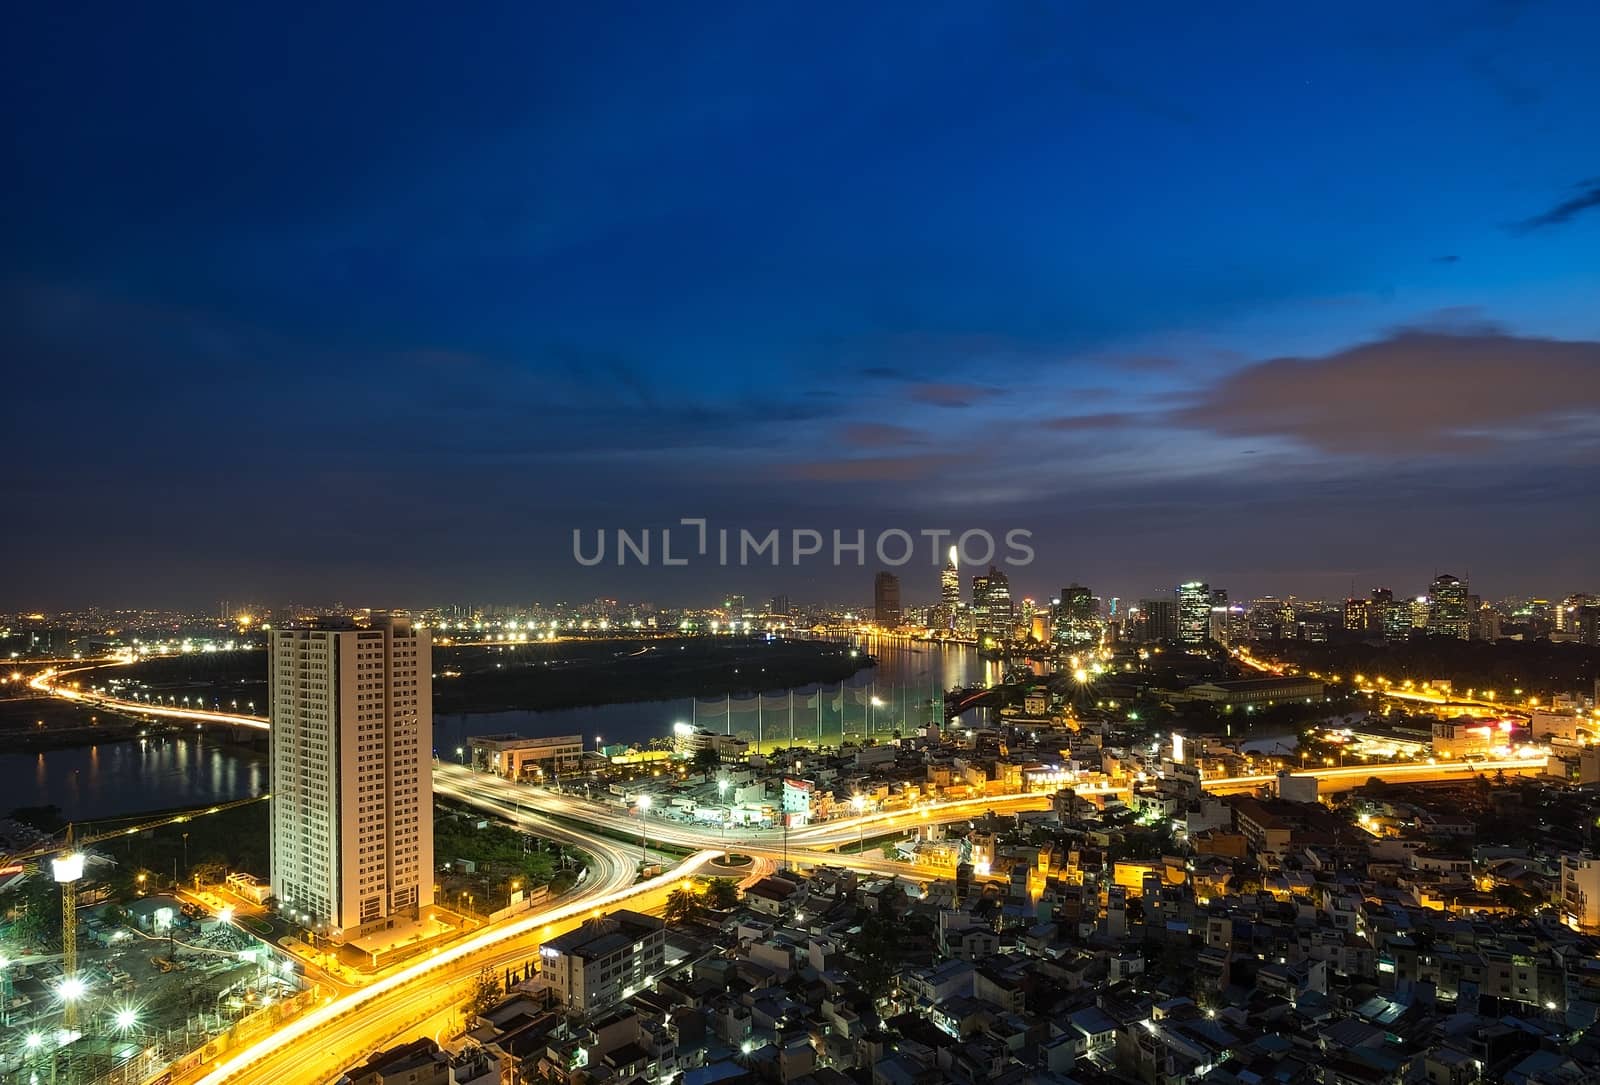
<point x="875" y="703"/>
<point x="461" y="754"/>
<point x="860" y="803"/>
<point x="643" y="803"/>
<point x="727" y="813"/>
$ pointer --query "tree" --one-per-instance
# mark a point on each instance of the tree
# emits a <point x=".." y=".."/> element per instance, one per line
<point x="722" y="893"/>
<point x="683" y="905"/>
<point x="34" y="912"/>
<point x="208" y="871"/>
<point x="707" y="760"/>
<point x="485" y="993"/>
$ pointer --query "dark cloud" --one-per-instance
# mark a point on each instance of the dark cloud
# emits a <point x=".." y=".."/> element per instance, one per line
<point x="946" y="394"/>
<point x="1105" y="420"/>
<point x="1415" y="392"/>
<point x="1588" y="197"/>
<point x="877" y="435"/>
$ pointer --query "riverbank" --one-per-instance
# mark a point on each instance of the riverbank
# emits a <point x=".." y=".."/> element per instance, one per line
<point x="37" y="724"/>
<point x="540" y="676"/>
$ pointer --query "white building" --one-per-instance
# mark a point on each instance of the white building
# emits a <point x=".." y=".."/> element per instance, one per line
<point x="1580" y="892"/>
<point x="605" y="960"/>
<point x="1297" y="788"/>
<point x="351" y="755"/>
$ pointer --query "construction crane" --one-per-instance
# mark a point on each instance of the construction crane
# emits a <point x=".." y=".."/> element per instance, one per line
<point x="67" y="869"/>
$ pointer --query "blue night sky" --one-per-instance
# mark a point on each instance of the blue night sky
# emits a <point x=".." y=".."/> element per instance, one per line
<point x="380" y="305"/>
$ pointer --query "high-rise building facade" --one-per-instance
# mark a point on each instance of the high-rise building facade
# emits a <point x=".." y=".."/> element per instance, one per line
<point x="1448" y="612"/>
<point x="351" y="765"/>
<point x="1194" y="612"/>
<point x="1158" y="620"/>
<point x="992" y="615"/>
<point x="886" y="600"/>
<point x="1076" y="616"/>
<point x="1569" y="611"/>
<point x="949" y="608"/>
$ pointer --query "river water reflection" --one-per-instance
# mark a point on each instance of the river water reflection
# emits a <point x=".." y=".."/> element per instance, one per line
<point x="904" y="690"/>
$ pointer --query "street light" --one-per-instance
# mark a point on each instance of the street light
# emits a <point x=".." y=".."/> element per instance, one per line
<point x="860" y="803"/>
<point x="461" y="754"/>
<point x="127" y="1017"/>
<point x="727" y="813"/>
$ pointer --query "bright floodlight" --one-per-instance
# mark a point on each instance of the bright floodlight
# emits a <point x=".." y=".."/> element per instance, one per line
<point x="126" y="1018"/>
<point x="226" y="915"/>
<point x="722" y="786"/>
<point x="859" y="802"/>
<point x="67" y="868"/>
<point x="71" y="989"/>
<point x="643" y="802"/>
<point x="34" y="1040"/>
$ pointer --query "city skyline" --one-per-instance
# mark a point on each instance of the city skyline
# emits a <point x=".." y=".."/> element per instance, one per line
<point x="1055" y="275"/>
<point x="599" y="544"/>
<point x="917" y="593"/>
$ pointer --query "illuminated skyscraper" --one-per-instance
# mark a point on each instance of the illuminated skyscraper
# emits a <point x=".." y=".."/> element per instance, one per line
<point x="1569" y="610"/>
<point x="1448" y="613"/>
<point x="1076" y="617"/>
<point x="992" y="615"/>
<point x="351" y="756"/>
<point x="949" y="594"/>
<point x="1194" y="612"/>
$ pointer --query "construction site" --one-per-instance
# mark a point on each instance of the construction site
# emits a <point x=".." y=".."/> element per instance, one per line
<point x="124" y="988"/>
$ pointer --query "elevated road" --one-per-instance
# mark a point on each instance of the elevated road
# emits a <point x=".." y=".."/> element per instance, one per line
<point x="320" y="1042"/>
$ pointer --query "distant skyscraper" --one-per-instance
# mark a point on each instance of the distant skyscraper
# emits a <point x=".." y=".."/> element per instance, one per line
<point x="1159" y="619"/>
<point x="1389" y="616"/>
<point x="1076" y="617"/>
<point x="949" y="593"/>
<point x="1569" y="610"/>
<point x="992" y="615"/>
<point x="1194" y="612"/>
<point x="886" y="600"/>
<point x="351" y="756"/>
<point x="1448" y="613"/>
<point x="779" y="605"/>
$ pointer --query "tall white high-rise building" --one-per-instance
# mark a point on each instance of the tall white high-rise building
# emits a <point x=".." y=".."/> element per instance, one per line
<point x="352" y="773"/>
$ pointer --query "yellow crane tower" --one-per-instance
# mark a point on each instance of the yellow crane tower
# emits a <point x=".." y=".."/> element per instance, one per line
<point x="66" y="867"/>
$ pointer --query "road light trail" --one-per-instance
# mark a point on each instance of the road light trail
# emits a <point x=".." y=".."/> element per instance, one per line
<point x="464" y="956"/>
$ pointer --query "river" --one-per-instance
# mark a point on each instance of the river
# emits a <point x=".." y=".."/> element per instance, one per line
<point x="902" y="691"/>
<point x="131" y="777"/>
